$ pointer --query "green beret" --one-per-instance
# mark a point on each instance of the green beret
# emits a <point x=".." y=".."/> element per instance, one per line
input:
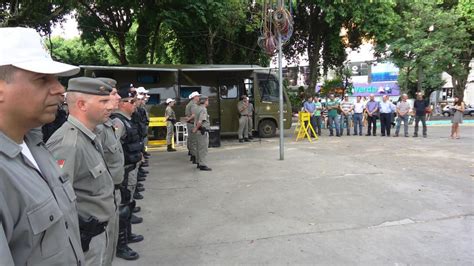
<point x="111" y="82"/>
<point x="88" y="86"/>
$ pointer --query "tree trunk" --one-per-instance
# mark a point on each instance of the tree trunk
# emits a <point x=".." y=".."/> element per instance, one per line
<point x="155" y="37"/>
<point x="142" y="40"/>
<point x="210" y="47"/>
<point x="122" y="52"/>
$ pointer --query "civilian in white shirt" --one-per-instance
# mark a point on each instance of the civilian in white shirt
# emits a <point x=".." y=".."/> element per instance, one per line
<point x="359" y="107"/>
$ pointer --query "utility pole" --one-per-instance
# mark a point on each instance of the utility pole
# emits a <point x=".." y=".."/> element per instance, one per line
<point x="280" y="86"/>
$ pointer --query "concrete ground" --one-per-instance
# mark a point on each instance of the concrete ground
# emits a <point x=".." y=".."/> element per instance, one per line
<point x="337" y="201"/>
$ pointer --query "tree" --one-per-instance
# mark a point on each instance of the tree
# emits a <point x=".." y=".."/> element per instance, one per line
<point x="215" y="31"/>
<point x="430" y="38"/>
<point x="40" y="15"/>
<point x="107" y="19"/>
<point x="77" y="52"/>
<point x="323" y="29"/>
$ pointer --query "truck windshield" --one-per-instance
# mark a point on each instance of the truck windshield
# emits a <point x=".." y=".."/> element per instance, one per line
<point x="269" y="90"/>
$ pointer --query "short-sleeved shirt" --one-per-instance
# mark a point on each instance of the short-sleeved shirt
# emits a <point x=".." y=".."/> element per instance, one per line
<point x="241" y="109"/>
<point x="359" y="107"/>
<point x="250" y="109"/>
<point x="332" y="112"/>
<point x="317" y="111"/>
<point x="346" y="105"/>
<point x="83" y="162"/>
<point x="169" y="112"/>
<point x="309" y="107"/>
<point x="38" y="217"/>
<point x="194" y="111"/>
<point x="372" y="105"/>
<point x="420" y="106"/>
<point x="386" y="107"/>
<point x="187" y="110"/>
<point x="202" y="117"/>
<point x="113" y="151"/>
<point x="403" y="107"/>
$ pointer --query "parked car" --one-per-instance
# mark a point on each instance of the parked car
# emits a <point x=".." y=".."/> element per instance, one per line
<point x="448" y="110"/>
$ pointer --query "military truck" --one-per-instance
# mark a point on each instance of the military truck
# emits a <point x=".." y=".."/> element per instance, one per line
<point x="223" y="84"/>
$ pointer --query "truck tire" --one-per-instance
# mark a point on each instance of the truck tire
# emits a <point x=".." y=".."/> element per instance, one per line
<point x="267" y="129"/>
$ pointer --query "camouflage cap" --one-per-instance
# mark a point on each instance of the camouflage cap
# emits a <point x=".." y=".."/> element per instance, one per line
<point x="88" y="86"/>
<point x="111" y="82"/>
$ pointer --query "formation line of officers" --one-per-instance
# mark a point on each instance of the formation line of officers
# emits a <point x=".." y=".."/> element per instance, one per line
<point x="68" y="200"/>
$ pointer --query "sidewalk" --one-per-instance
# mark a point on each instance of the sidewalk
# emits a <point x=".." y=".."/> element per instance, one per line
<point x="349" y="200"/>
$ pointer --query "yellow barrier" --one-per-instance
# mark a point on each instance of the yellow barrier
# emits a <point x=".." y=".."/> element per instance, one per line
<point x="302" y="127"/>
<point x="158" y="122"/>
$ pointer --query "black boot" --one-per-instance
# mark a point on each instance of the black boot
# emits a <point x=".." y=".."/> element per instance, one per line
<point x="140" y="189"/>
<point x="143" y="171"/>
<point x="170" y="148"/>
<point x="123" y="251"/>
<point x="136" y="220"/>
<point x="131" y="237"/>
<point x="136" y="209"/>
<point x="137" y="195"/>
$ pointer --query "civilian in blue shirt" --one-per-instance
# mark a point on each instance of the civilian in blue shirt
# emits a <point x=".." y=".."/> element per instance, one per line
<point x="386" y="111"/>
<point x="310" y="107"/>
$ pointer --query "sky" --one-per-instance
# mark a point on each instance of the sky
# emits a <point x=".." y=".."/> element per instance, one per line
<point x="68" y="29"/>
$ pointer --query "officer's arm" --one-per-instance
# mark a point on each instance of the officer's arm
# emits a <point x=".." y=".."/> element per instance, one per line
<point x="5" y="254"/>
<point x="119" y="128"/>
<point x="6" y="257"/>
<point x="65" y="156"/>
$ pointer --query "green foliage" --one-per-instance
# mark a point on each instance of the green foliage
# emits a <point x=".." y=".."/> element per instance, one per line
<point x="318" y="25"/>
<point x="331" y="86"/>
<point x="429" y="38"/>
<point x="408" y="82"/>
<point x="40" y="15"/>
<point x="76" y="52"/>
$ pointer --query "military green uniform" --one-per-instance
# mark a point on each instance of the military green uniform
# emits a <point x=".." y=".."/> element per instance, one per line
<point x="113" y="155"/>
<point x="169" y="112"/>
<point x="38" y="217"/>
<point x="202" y="139"/>
<point x="243" y="120"/>
<point x="193" y="136"/>
<point x="190" y="125"/>
<point x="83" y="162"/>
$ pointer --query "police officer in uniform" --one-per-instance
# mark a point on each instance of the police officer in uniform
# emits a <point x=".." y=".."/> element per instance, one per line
<point x="80" y="155"/>
<point x="132" y="145"/>
<point x="113" y="155"/>
<point x="140" y="118"/>
<point x="38" y="217"/>
<point x="201" y="129"/>
<point x="170" y="121"/>
<point x="190" y="113"/>
<point x="242" y="107"/>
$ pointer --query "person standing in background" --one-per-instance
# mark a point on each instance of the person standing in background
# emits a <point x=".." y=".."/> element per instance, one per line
<point x="403" y="109"/>
<point x="242" y="108"/>
<point x="420" y="106"/>
<point x="459" y="108"/>
<point x="318" y="107"/>
<point x="372" y="109"/>
<point x="358" y="113"/>
<point x="251" y="110"/>
<point x="170" y="117"/>
<point x="386" y="111"/>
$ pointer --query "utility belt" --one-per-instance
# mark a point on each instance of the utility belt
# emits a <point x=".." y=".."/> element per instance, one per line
<point x="90" y="228"/>
<point x="240" y="115"/>
<point x="203" y="130"/>
<point x="172" y="120"/>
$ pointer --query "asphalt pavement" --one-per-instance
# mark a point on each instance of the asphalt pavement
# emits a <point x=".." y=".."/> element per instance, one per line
<point x="337" y="201"/>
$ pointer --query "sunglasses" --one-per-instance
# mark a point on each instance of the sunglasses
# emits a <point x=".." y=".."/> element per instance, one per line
<point x="132" y="101"/>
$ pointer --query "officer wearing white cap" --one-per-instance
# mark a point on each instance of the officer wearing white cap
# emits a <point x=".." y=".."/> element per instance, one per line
<point x="170" y="121"/>
<point x="201" y="129"/>
<point x="190" y="112"/>
<point x="38" y="217"/>
<point x="78" y="149"/>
